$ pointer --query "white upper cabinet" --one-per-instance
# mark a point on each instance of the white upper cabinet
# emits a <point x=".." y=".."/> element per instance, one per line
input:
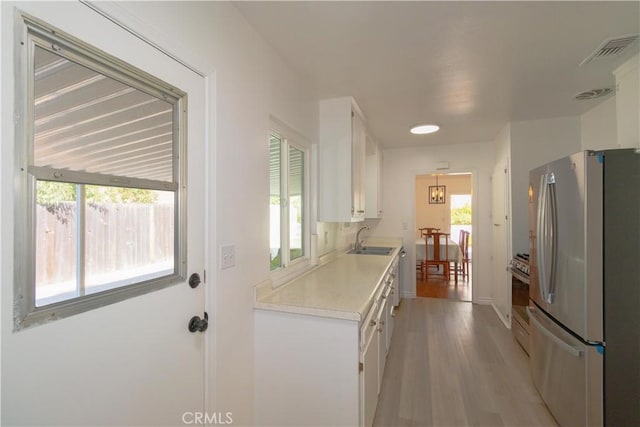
<point x="373" y="187"/>
<point x="342" y="161"/>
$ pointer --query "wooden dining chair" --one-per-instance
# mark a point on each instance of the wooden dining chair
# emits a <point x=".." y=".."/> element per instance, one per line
<point x="426" y="231"/>
<point x="421" y="263"/>
<point x="462" y="267"/>
<point x="440" y="255"/>
<point x="465" y="253"/>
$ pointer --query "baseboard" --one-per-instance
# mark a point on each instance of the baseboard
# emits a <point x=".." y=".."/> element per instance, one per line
<point x="484" y="301"/>
<point x="506" y="322"/>
<point x="408" y="295"/>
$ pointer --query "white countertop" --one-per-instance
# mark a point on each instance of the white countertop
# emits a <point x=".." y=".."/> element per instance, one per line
<point x="341" y="289"/>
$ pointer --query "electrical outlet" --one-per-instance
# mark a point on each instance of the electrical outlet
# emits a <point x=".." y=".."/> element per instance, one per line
<point x="227" y="256"/>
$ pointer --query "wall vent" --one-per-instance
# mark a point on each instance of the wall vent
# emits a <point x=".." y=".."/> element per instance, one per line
<point x="611" y="47"/>
<point x="593" y="94"/>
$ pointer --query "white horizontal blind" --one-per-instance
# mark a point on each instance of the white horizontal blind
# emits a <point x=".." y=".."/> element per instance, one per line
<point x="296" y="167"/>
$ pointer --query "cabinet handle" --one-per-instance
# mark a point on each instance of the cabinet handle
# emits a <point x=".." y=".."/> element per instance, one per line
<point x="360" y="211"/>
<point x="379" y="330"/>
<point x="373" y="323"/>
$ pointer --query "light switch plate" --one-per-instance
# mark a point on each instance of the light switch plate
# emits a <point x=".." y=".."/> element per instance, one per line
<point x="227" y="256"/>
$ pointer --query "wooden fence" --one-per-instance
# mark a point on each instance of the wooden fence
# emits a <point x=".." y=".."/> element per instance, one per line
<point x="117" y="237"/>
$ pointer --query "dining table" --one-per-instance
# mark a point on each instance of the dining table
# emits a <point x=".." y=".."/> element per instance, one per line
<point x="455" y="253"/>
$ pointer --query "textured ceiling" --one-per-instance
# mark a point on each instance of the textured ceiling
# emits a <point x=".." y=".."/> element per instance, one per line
<point x="470" y="67"/>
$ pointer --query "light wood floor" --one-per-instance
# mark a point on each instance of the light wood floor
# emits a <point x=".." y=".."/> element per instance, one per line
<point x="439" y="287"/>
<point x="454" y="363"/>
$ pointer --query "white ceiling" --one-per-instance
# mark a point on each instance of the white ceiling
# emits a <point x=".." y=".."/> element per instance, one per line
<point x="470" y="67"/>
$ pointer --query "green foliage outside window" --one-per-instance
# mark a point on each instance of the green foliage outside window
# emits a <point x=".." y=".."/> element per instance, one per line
<point x="295" y="253"/>
<point x="461" y="215"/>
<point x="52" y="193"/>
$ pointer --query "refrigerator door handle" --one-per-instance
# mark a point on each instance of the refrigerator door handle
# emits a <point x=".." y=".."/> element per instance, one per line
<point x="541" y="242"/>
<point x="553" y="204"/>
<point x="563" y="345"/>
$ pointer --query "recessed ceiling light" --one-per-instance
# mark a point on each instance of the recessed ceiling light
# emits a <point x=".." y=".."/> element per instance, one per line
<point x="424" y="129"/>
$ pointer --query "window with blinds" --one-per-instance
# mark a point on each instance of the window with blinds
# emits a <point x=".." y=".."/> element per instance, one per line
<point x="287" y="201"/>
<point x="102" y="190"/>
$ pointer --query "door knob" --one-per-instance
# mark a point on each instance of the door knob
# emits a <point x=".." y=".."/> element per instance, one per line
<point x="194" y="280"/>
<point x="196" y="324"/>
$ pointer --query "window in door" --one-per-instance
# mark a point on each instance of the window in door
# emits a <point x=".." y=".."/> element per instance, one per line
<point x="101" y="184"/>
<point x="288" y="231"/>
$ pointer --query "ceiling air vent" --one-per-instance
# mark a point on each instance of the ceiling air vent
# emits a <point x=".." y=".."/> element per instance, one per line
<point x="593" y="94"/>
<point x="611" y="47"/>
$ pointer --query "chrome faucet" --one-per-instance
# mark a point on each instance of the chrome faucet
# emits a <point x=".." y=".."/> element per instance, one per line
<point x="358" y="245"/>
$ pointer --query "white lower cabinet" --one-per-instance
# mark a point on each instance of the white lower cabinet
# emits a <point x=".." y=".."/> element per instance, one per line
<point x="313" y="370"/>
<point x="307" y="370"/>
<point x="381" y="330"/>
<point x="369" y="377"/>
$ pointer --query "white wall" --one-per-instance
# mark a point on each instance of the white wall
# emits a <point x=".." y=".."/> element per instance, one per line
<point x="598" y="126"/>
<point x="628" y="103"/>
<point x="401" y="166"/>
<point x="534" y="143"/>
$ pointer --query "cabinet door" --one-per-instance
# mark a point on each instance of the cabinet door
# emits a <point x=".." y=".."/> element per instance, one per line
<point x="388" y="316"/>
<point x="381" y="330"/>
<point x="358" y="139"/>
<point x="396" y="284"/>
<point x="341" y="149"/>
<point x="369" y="380"/>
<point x="373" y="180"/>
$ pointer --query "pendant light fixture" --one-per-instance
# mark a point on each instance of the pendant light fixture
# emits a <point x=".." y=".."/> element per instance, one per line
<point x="437" y="193"/>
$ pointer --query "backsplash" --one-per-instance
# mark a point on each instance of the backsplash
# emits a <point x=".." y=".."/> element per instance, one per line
<point x="340" y="236"/>
<point x="335" y="236"/>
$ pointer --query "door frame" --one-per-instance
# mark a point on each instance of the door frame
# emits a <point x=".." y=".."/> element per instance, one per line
<point x="474" y="222"/>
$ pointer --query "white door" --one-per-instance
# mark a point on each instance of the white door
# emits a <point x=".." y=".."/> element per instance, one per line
<point x="129" y="363"/>
<point x="500" y="210"/>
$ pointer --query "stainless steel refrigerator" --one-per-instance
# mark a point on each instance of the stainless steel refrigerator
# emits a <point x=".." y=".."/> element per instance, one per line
<point x="584" y="307"/>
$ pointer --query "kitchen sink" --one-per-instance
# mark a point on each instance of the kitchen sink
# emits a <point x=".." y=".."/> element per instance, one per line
<point x="372" y="250"/>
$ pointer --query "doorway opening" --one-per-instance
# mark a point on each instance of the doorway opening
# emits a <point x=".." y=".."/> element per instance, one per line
<point x="453" y="216"/>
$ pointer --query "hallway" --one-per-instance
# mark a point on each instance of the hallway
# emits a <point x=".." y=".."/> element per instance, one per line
<point x="455" y="364"/>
